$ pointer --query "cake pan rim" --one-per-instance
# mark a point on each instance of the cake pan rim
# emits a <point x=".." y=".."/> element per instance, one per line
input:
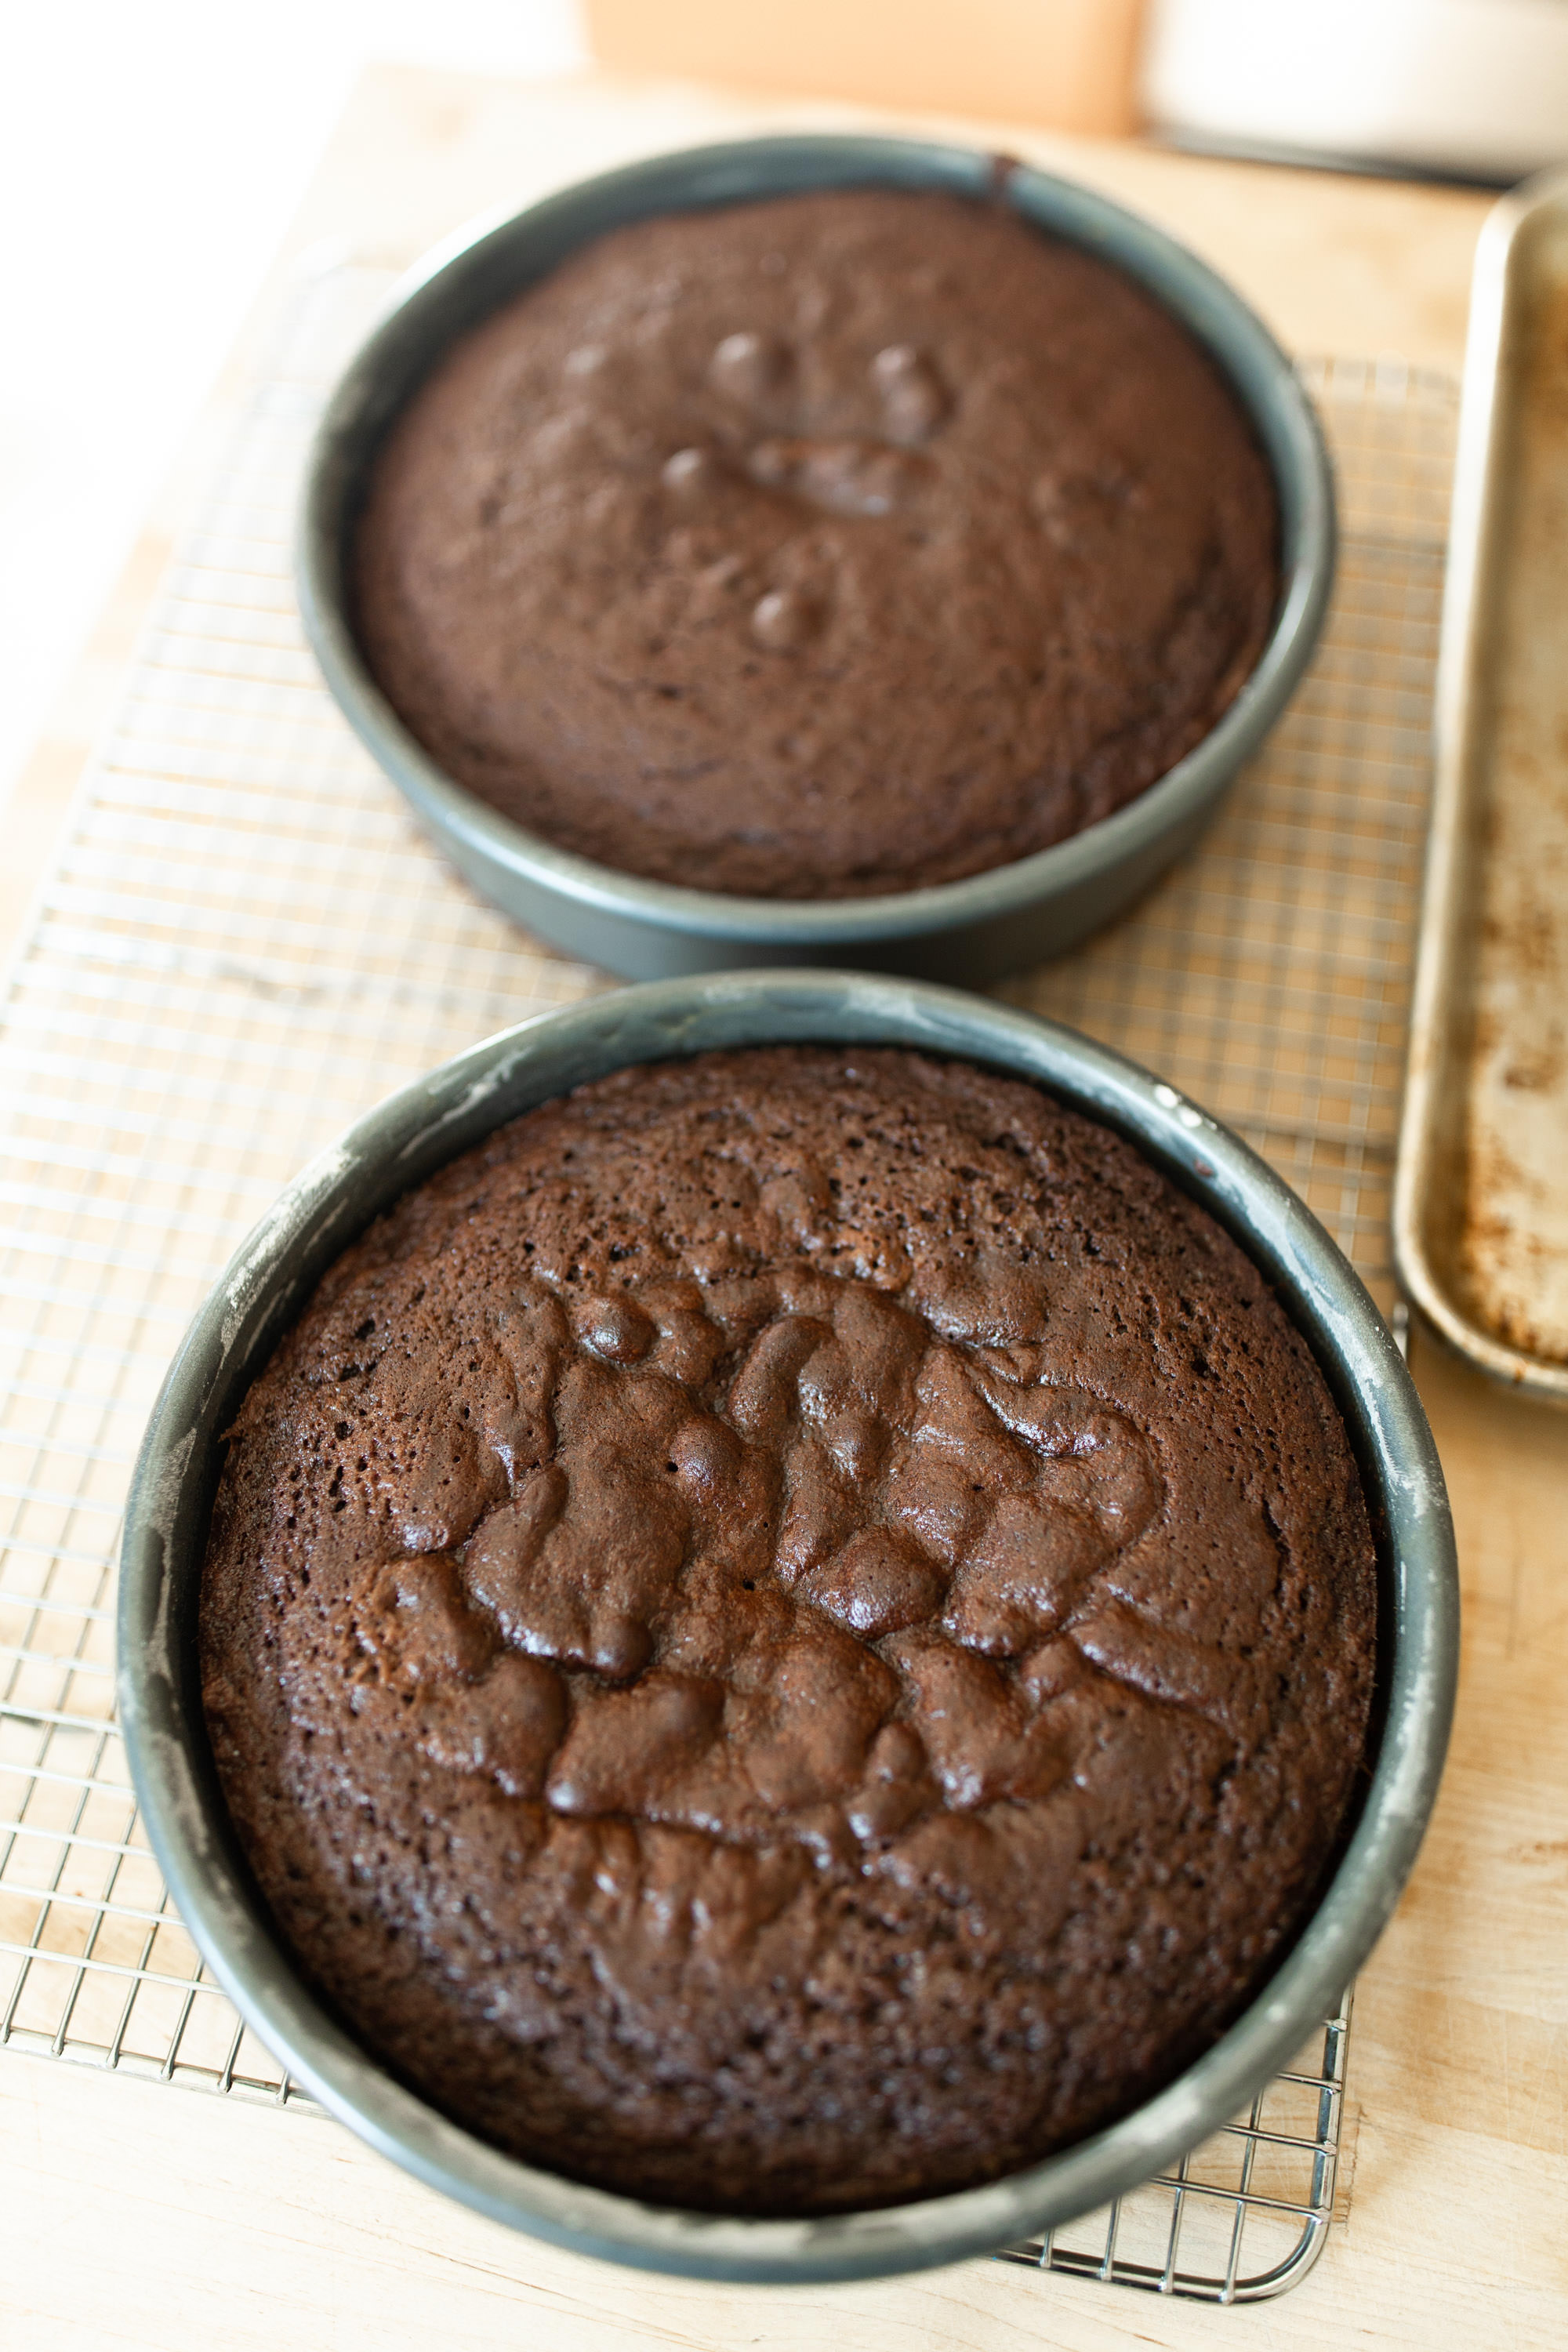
<point x="430" y="1121"/>
<point x="360" y="407"/>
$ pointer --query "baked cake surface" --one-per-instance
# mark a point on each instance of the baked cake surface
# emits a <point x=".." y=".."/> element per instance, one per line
<point x="832" y="545"/>
<point x="794" y="1632"/>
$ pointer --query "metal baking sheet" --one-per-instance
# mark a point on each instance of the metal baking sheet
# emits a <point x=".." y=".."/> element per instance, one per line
<point x="1481" y="1213"/>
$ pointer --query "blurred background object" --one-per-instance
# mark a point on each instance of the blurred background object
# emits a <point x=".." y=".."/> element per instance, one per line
<point x="1475" y="88"/>
<point x="1069" y="64"/>
<point x="1478" y="89"/>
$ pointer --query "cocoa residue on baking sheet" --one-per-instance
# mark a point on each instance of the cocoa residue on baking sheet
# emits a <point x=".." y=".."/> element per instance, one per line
<point x="1508" y="1236"/>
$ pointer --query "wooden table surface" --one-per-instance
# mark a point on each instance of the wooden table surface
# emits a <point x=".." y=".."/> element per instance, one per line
<point x="135" y="2215"/>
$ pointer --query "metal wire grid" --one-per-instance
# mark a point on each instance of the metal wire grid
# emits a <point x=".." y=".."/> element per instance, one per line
<point x="1243" y="2216"/>
<point x="245" y="943"/>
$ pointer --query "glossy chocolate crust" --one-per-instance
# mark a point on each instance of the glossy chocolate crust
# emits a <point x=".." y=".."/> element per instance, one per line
<point x="792" y="1632"/>
<point x="823" y="547"/>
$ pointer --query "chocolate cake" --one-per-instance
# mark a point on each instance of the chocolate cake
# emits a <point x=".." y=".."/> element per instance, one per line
<point x="815" y="548"/>
<point x="794" y="1632"/>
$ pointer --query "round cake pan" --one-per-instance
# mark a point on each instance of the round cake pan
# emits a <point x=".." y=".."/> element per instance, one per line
<point x="405" y="1141"/>
<point x="969" y="930"/>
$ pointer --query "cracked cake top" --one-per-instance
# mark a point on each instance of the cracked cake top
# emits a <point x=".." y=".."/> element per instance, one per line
<point x="793" y="1630"/>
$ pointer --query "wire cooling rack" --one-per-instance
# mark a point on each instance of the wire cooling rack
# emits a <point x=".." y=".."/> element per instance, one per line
<point x="244" y="944"/>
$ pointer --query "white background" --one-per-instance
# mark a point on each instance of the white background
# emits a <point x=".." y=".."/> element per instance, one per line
<point x="150" y="155"/>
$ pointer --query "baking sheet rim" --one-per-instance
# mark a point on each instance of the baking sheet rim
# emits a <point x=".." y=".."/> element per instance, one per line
<point x="1455" y="726"/>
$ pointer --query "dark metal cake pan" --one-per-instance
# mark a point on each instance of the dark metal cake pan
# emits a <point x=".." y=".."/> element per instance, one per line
<point x="972" y="929"/>
<point x="405" y="1141"/>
